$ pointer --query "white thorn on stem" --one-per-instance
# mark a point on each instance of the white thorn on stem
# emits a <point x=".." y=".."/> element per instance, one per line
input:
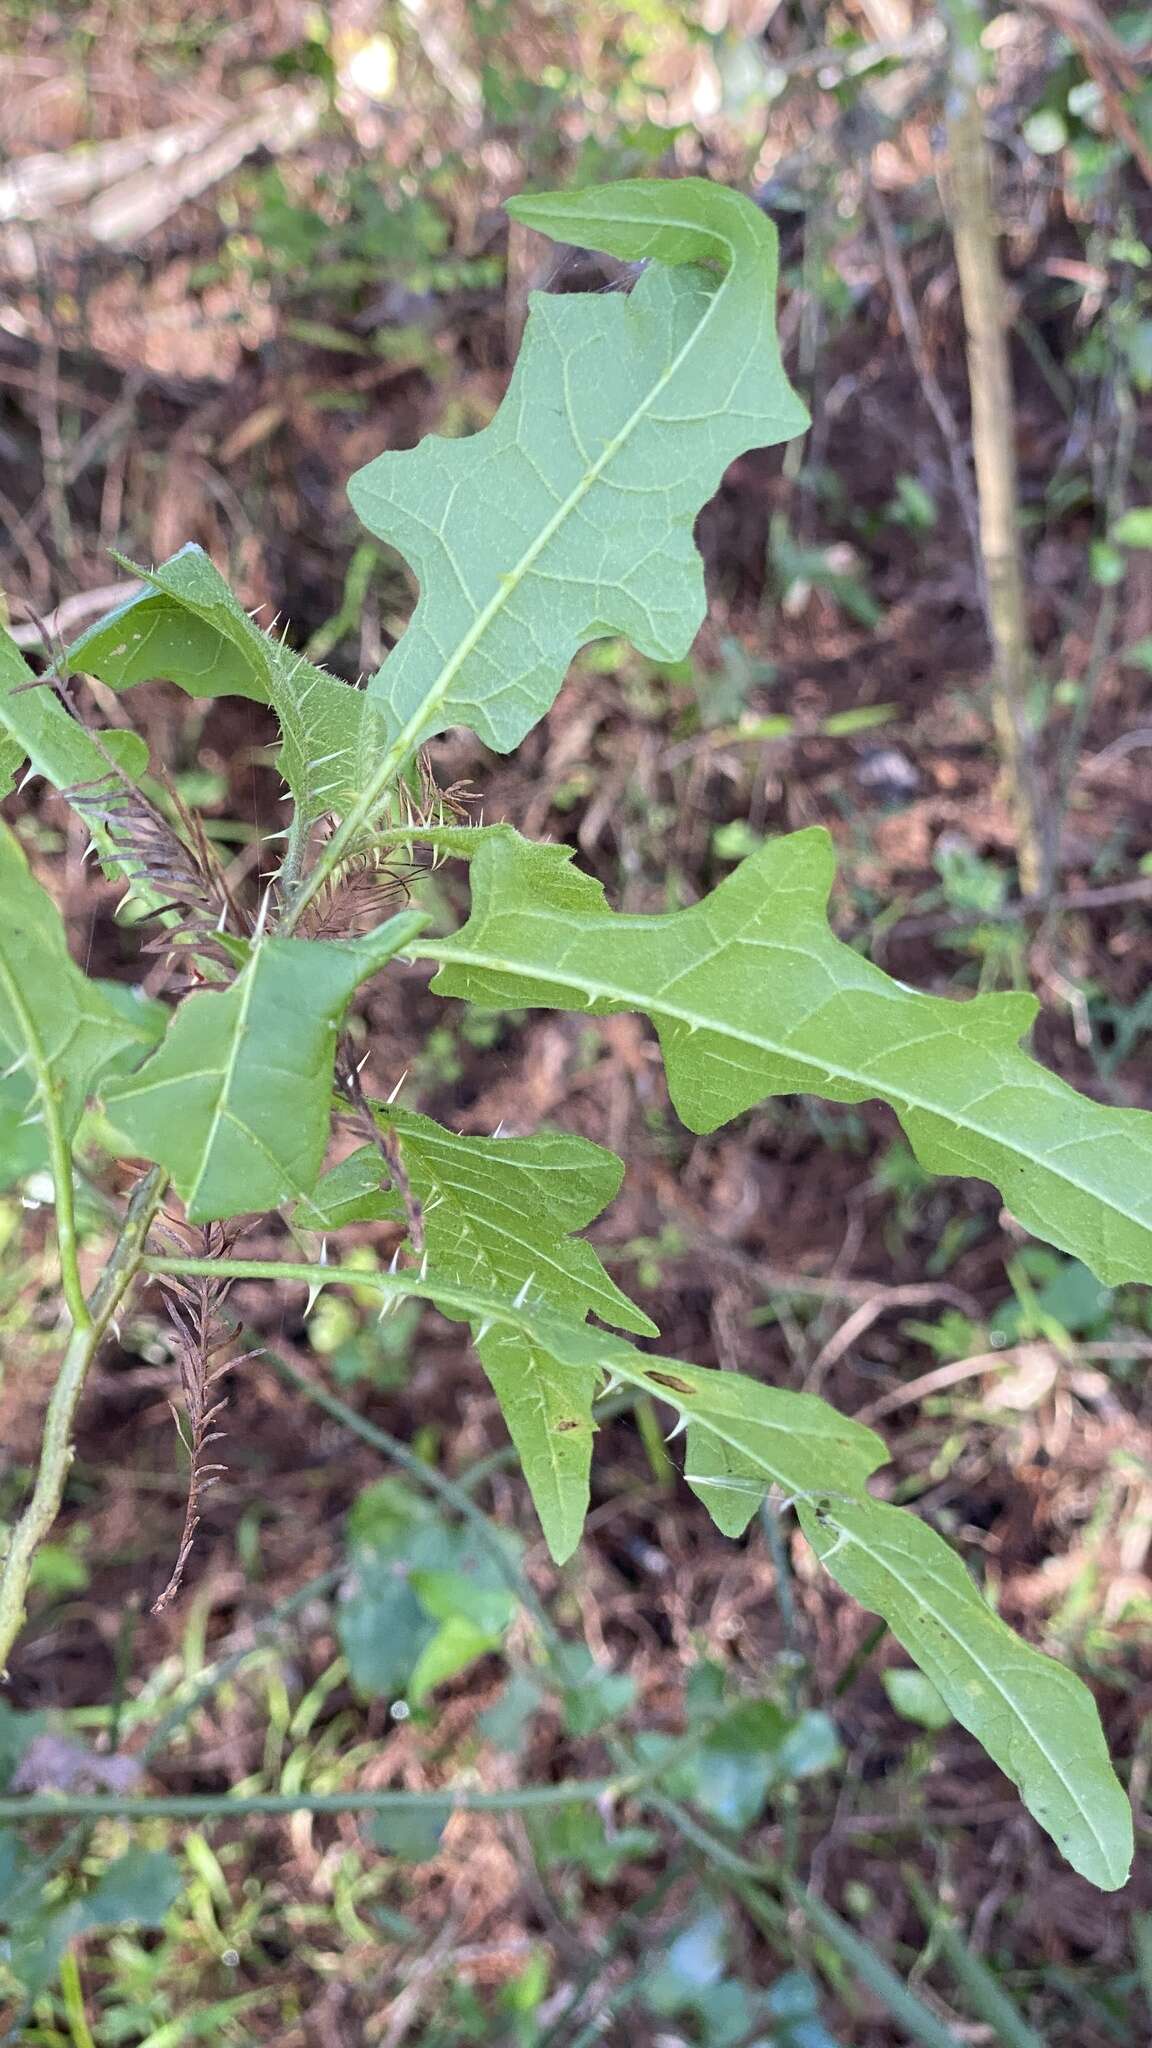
<point x="314" y="1289"/>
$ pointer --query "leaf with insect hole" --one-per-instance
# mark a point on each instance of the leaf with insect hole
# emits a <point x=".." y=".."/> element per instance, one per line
<point x="1034" y="1717"/>
<point x="568" y="518"/>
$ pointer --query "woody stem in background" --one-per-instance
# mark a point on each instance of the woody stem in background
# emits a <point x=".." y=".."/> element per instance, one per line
<point x="983" y="297"/>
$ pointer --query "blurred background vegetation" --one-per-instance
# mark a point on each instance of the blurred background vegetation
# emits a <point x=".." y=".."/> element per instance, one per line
<point x="243" y="249"/>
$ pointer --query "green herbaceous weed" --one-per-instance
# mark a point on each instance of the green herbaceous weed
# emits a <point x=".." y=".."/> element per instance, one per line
<point x="567" y="520"/>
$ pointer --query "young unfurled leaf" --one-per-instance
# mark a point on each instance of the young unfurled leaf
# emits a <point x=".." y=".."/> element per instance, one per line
<point x="570" y="516"/>
<point x="498" y="1213"/>
<point x="58" y="1031"/>
<point x="236" y="1102"/>
<point x="188" y="628"/>
<point x="753" y="995"/>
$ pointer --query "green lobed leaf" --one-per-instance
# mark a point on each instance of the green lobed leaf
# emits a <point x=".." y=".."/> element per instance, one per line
<point x="1034" y="1717"/>
<point x="58" y="1031"/>
<point x="569" y="517"/>
<point x="1040" y="1723"/>
<point x="35" y="727"/>
<point x="236" y="1101"/>
<point x="188" y="628"/>
<point x="497" y="1215"/>
<point x="753" y="995"/>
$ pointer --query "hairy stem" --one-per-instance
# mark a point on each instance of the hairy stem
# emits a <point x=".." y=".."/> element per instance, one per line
<point x="348" y="832"/>
<point x="89" y="1327"/>
<point x="399" y="1285"/>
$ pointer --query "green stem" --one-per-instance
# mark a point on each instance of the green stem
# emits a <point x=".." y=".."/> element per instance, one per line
<point x="228" y="1805"/>
<point x="56" y="1446"/>
<point x="859" y="1658"/>
<point x="395" y="1286"/>
<point x="73" y="1994"/>
<point x="917" y="2019"/>
<point x="67" y="1242"/>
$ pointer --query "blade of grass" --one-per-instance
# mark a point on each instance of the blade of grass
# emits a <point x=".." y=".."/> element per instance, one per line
<point x="917" y="2019"/>
<point x="748" y="1881"/>
<point x="981" y="1988"/>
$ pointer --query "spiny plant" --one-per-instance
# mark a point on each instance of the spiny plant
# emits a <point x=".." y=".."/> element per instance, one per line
<point x="567" y="519"/>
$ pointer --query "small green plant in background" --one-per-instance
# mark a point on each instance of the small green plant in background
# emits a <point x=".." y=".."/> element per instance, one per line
<point x="566" y="520"/>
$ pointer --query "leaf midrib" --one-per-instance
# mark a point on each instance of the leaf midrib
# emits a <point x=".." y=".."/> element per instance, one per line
<point x="247" y="990"/>
<point x="591" y="990"/>
<point x="412" y="732"/>
<point x="538" y="1255"/>
<point x="511" y="581"/>
<point x="916" y="1594"/>
<point x="533" y="1348"/>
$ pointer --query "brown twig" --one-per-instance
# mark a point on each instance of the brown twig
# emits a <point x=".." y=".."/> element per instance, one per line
<point x="1110" y="897"/>
<point x="869" y="1312"/>
<point x="52" y="455"/>
<point x="942" y="1377"/>
<point x="72" y="612"/>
